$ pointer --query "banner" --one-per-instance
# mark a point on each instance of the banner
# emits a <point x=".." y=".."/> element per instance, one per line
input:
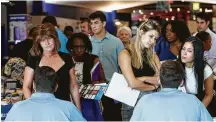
<point x="18" y="24"/>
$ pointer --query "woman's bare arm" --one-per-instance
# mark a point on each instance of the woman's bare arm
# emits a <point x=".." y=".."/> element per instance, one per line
<point x="209" y="84"/>
<point x="74" y="89"/>
<point x="124" y="61"/>
<point x="28" y="81"/>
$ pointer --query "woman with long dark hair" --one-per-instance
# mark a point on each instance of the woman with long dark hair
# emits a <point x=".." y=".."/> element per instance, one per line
<point x="199" y="75"/>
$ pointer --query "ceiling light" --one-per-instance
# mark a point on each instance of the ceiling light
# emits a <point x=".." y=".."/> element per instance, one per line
<point x="196" y="6"/>
<point x="117" y="23"/>
<point x="5" y="1"/>
<point x="172" y="18"/>
<point x="140" y="11"/>
<point x="208" y="10"/>
<point x="178" y="9"/>
<point x="194" y="17"/>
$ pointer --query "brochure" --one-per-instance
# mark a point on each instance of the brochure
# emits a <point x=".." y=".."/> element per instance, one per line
<point x="90" y="91"/>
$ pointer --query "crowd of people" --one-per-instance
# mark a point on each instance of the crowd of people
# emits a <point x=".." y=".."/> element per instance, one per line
<point x="173" y="70"/>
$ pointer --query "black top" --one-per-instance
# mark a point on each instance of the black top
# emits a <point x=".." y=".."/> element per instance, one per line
<point x="21" y="49"/>
<point x="87" y="66"/>
<point x="63" y="90"/>
<point x="147" y="70"/>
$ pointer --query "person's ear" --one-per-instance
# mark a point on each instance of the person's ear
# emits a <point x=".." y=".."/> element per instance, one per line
<point x="34" y="86"/>
<point x="56" y="87"/>
<point x="158" y="79"/>
<point x="182" y="83"/>
<point x="104" y="24"/>
<point x="159" y="82"/>
<point x="208" y="22"/>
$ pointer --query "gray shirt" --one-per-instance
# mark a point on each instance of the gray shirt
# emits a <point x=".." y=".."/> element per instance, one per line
<point x="107" y="50"/>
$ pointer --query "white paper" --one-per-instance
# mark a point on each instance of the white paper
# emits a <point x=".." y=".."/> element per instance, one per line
<point x="100" y="84"/>
<point x="93" y="68"/>
<point x="119" y="90"/>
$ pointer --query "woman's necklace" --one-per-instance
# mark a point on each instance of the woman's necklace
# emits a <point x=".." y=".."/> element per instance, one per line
<point x="78" y="58"/>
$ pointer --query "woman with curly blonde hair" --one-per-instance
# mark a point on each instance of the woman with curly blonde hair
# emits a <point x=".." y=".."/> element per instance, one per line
<point x="139" y="64"/>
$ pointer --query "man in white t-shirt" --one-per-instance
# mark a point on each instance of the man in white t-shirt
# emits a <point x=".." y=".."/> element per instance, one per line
<point x="203" y="21"/>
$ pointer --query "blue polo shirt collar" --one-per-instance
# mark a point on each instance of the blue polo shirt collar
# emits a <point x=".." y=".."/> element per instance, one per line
<point x="169" y="90"/>
<point x="42" y="95"/>
<point x="107" y="36"/>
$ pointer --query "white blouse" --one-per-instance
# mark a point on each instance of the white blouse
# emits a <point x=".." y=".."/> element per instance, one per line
<point x="191" y="83"/>
<point x="79" y="72"/>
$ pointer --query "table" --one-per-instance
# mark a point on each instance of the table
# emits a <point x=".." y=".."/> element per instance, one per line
<point x="8" y="100"/>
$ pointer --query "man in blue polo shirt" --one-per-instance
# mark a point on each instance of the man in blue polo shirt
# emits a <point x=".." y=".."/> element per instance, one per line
<point x="107" y="48"/>
<point x="42" y="105"/>
<point x="170" y="104"/>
